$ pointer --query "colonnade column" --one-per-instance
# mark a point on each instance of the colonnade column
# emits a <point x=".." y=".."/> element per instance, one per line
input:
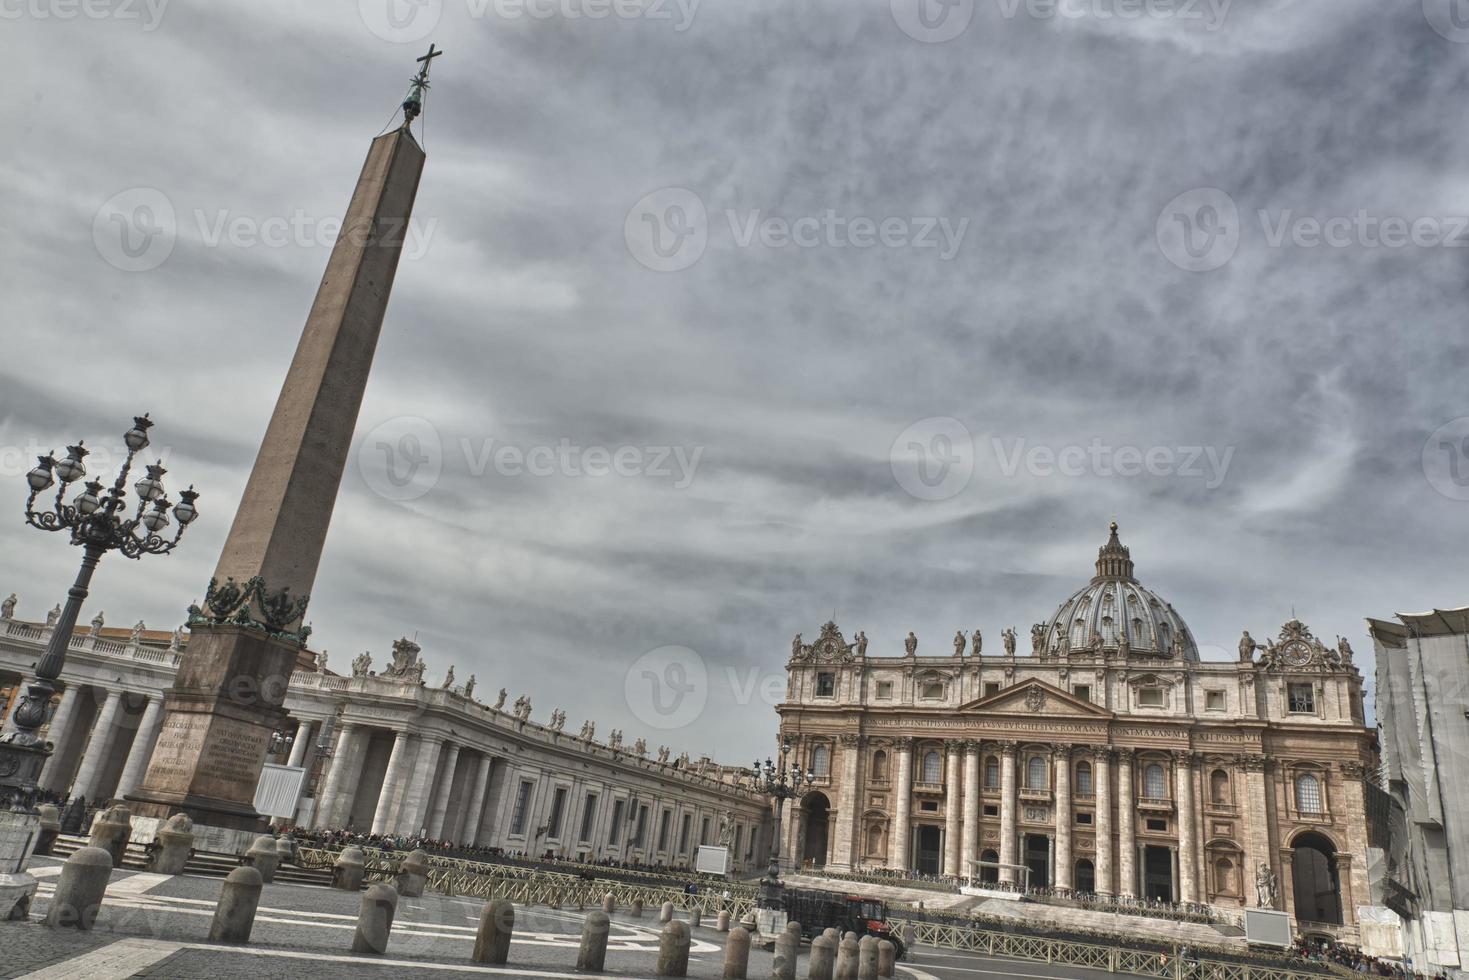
<point x="1183" y="767"/>
<point x="337" y="777"/>
<point x="300" y="744"/>
<point x="441" y="801"/>
<point x="1126" y="827"/>
<point x="474" y="811"/>
<point x="953" y="807"/>
<point x="1007" y="812"/>
<point x="1062" y="875"/>
<point x="970" y="851"/>
<point x="1102" y="787"/>
<point x="58" y="733"/>
<point x="414" y="814"/>
<point x="898" y="836"/>
<point x="89" y="775"/>
<point x="392" y="776"/>
<point x="142" y="748"/>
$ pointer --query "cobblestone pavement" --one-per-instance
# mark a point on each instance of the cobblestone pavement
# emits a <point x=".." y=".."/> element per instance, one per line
<point x="156" y="926"/>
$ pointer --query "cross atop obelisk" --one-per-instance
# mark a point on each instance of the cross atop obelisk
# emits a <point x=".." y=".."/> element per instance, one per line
<point x="248" y="633"/>
<point x="413" y="105"/>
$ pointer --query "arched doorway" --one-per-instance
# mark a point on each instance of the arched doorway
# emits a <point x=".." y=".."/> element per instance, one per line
<point x="1085" y="881"/>
<point x="816" y="811"/>
<point x="1317" y="886"/>
<point x="989" y="875"/>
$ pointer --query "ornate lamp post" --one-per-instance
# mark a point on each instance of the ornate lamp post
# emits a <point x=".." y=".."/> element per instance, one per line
<point x="779" y="782"/>
<point x="99" y="521"/>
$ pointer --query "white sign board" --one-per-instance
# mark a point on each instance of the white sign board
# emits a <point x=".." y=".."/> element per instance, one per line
<point x="1267" y="927"/>
<point x="278" y="790"/>
<point x="712" y="860"/>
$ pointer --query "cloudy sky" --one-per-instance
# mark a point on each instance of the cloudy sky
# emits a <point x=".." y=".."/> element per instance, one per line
<point x="722" y="319"/>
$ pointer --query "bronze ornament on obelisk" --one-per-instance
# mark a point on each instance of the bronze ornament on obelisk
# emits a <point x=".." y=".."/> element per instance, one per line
<point x="226" y="700"/>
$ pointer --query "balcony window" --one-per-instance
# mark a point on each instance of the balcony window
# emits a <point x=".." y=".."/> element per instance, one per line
<point x="1035" y="773"/>
<point x="1084" y="779"/>
<point x="826" y="685"/>
<point x="1308" y="793"/>
<point x="821" y="761"/>
<point x="991" y="773"/>
<point x="1302" y="698"/>
<point x="1155" y="782"/>
<point x="933" y="768"/>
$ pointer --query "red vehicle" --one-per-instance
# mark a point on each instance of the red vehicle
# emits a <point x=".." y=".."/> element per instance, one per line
<point x="817" y="911"/>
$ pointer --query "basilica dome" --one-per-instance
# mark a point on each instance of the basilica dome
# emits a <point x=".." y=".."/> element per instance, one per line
<point x="1114" y="609"/>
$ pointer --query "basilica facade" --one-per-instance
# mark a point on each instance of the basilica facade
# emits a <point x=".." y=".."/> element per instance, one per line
<point x="1104" y="758"/>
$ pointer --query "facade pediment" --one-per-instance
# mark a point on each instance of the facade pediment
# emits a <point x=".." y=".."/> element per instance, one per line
<point x="1031" y="697"/>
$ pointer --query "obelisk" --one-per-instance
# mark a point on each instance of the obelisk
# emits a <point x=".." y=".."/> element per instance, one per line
<point x="226" y="700"/>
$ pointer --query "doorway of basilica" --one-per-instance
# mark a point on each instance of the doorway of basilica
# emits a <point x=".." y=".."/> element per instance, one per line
<point x="816" y="808"/>
<point x="1038" y="859"/>
<point x="1158" y="873"/>
<point x="930" y="850"/>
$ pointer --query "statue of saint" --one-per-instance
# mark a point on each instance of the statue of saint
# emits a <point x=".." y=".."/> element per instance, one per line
<point x="640" y="747"/>
<point x="98" y="621"/>
<point x="448" y="678"/>
<point x="1266" y="887"/>
<point x="53" y="615"/>
<point x="911" y="644"/>
<point x="959" y="644"/>
<point x="1038" y="639"/>
<point x="177" y="642"/>
<point x="861" y="643"/>
<point x="137" y="634"/>
<point x="796" y="647"/>
<point x="7" y="608"/>
<point x="361" y="664"/>
<point x="1008" y="638"/>
<point x="469" y="687"/>
<point x="500" y="701"/>
<point x="976" y="644"/>
<point x="1247" y="647"/>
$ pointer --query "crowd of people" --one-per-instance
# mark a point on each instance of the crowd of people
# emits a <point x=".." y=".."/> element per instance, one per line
<point x="1352" y="958"/>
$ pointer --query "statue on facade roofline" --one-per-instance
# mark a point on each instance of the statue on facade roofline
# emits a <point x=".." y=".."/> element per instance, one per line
<point x="1009" y="639"/>
<point x="177" y="643"/>
<point x="53" y="615"/>
<point x="976" y="644"/>
<point x="469" y="687"/>
<point x="796" y="647"/>
<point x="861" y="643"/>
<point x="959" y="643"/>
<point x="588" y="730"/>
<point x="1344" y="650"/>
<point x="1038" y="639"/>
<point x="1247" y="647"/>
<point x="448" y="679"/>
<point x="361" y="664"/>
<point x="911" y="644"/>
<point x="614" y="740"/>
<point x="7" y="608"/>
<point x="500" y="701"/>
<point x="663" y="755"/>
<point x="137" y="634"/>
<point x="640" y="747"/>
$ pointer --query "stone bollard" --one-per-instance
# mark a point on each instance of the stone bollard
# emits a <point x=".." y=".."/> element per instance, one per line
<point x="234" y="916"/>
<point x="263" y="857"/>
<point x="787" y="949"/>
<point x="50" y="827"/>
<point x="175" y="842"/>
<point x="375" y="919"/>
<point x="110" y="831"/>
<point x="665" y="914"/>
<point x="887" y="958"/>
<point x="834" y="934"/>
<point x="673" y="950"/>
<point x="867" y="958"/>
<point x="347" y="869"/>
<point x="847" y="958"/>
<point x="80" y="889"/>
<point x="823" y="957"/>
<point x="413" y="874"/>
<point x="636" y="910"/>
<point x="285" y="849"/>
<point x="721" y="924"/>
<point x="737" y="954"/>
<point x="608" y="904"/>
<point x="696" y="919"/>
<point x="593" y="955"/>
<point x="496" y="926"/>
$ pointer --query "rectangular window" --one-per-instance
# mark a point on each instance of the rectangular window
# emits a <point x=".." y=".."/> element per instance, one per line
<point x="885" y="690"/>
<point x="826" y="685"/>
<point x="1213" y="700"/>
<point x="1302" y="698"/>
<point x="932" y="690"/>
<point x="990" y="810"/>
<point x="1157" y="825"/>
<point x="1082" y="691"/>
<point x="522" y="800"/>
<point x="704" y="831"/>
<point x="991" y="687"/>
<point x="929" y="806"/>
<point x="588" y="814"/>
<point x="1084" y="819"/>
<point x="1150" y="697"/>
<point x="558" y="804"/>
<point x="683" y="833"/>
<point x="614" y="836"/>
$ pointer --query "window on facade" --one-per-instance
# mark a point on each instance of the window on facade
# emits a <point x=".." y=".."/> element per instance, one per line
<point x="826" y="685"/>
<point x="522" y="801"/>
<point x="885" y="690"/>
<point x="684" y="831"/>
<point x="821" y="761"/>
<point x="739" y="835"/>
<point x="933" y="690"/>
<point x="1155" y="782"/>
<point x="1083" y="691"/>
<point x="704" y="831"/>
<point x="933" y="768"/>
<point x="1308" y="793"/>
<point x="1302" y="698"/>
<point x="1219" y="786"/>
<point x="588" y="814"/>
<point x="640" y="835"/>
<point x="1035" y="773"/>
<point x="1214" y="701"/>
<point x="750" y="847"/>
<point x="1150" y="697"/>
<point x="1084" y="779"/>
<point x="991" y="687"/>
<point x="991" y="773"/>
<point x="614" y="835"/>
<point x="990" y="810"/>
<point x="880" y="765"/>
<point x="1157" y="825"/>
<point x="1084" y="819"/>
<point x="558" y="804"/>
<point x="929" y="806"/>
<point x="663" y="822"/>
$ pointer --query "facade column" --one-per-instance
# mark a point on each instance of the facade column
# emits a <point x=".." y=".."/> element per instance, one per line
<point x="970" y="850"/>
<point x="89" y="774"/>
<point x="903" y="790"/>
<point x="475" y="808"/>
<point x="1062" y="875"/>
<point x="445" y="791"/>
<point x="1007" y="812"/>
<point x="845" y="835"/>
<point x="58" y="733"/>
<point x="392" y="776"/>
<point x="142" y="748"/>
<point x="300" y="744"/>
<point x="1188" y="859"/>
<point x="337" y="777"/>
<point x="1126" y="826"/>
<point x="1102" y="787"/>
<point x="414" y="814"/>
<point x="953" y="808"/>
